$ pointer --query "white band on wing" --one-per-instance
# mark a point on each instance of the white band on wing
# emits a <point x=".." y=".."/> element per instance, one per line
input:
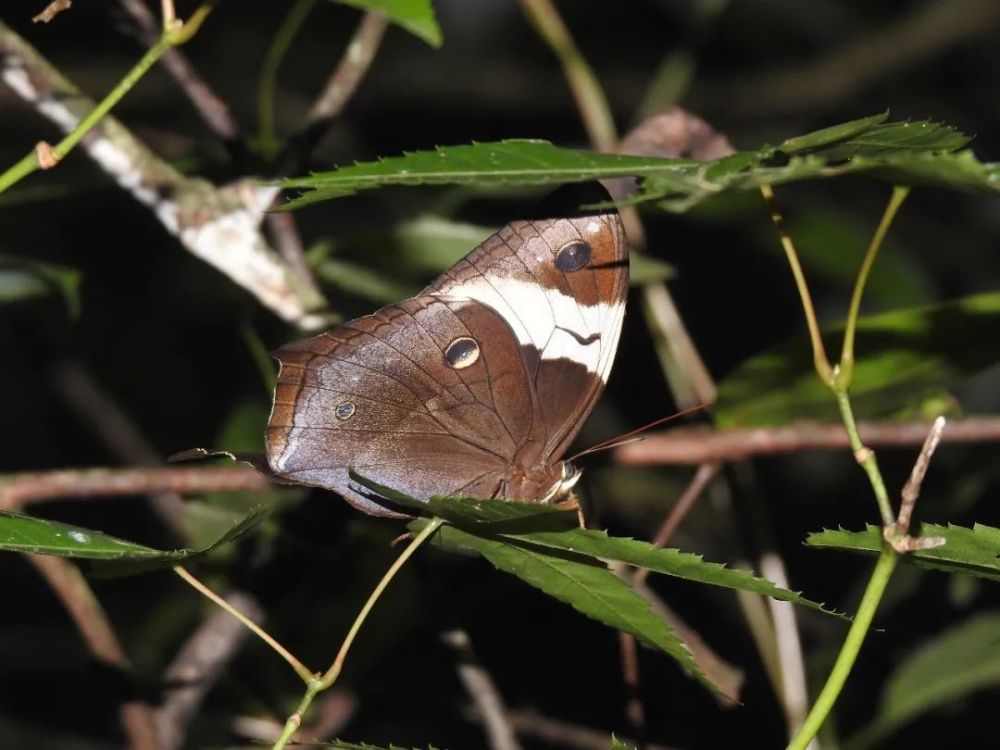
<point x="552" y="322"/>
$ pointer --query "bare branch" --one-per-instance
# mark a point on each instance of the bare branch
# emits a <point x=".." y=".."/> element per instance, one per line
<point x="840" y="74"/>
<point x="340" y="86"/>
<point x="220" y="225"/>
<point x="91" y="621"/>
<point x="703" y="444"/>
<point x="484" y="693"/>
<point x="199" y="664"/>
<point x="18" y="490"/>
<point x="213" y="110"/>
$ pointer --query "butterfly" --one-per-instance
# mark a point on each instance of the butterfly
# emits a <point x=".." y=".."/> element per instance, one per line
<point x="477" y="385"/>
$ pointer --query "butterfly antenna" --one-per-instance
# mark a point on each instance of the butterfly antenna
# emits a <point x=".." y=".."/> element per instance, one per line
<point x="630" y="437"/>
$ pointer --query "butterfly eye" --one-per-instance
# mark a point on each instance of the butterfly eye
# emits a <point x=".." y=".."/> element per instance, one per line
<point x="462" y="352"/>
<point x="573" y="256"/>
<point x="345" y="410"/>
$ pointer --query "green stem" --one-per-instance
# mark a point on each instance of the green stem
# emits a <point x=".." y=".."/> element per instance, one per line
<point x="280" y="45"/>
<point x="334" y="671"/>
<point x="319" y="684"/>
<point x="174" y="36"/>
<point x="295" y="720"/>
<point x="865" y="457"/>
<point x="284" y="653"/>
<point x="587" y="92"/>
<point x="820" y="359"/>
<point x="846" y="372"/>
<point x="849" y="651"/>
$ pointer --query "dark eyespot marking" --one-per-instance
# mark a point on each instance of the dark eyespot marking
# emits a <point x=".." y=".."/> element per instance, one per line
<point x="573" y="256"/>
<point x="461" y="353"/>
<point x="344" y="411"/>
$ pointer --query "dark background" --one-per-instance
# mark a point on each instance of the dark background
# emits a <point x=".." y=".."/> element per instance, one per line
<point x="163" y="334"/>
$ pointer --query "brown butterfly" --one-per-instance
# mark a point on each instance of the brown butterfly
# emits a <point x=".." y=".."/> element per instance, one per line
<point x="477" y="385"/>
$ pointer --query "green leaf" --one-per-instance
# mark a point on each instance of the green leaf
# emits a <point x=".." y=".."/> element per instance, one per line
<point x="899" y="152"/>
<point x="960" y="661"/>
<point x="901" y="356"/>
<point x="582" y="582"/>
<point x="20" y="533"/>
<point x="416" y="16"/>
<point x="559" y="531"/>
<point x="877" y="140"/>
<point x="520" y="162"/>
<point x="617" y="744"/>
<point x="825" y="137"/>
<point x="23" y="278"/>
<point x="966" y="551"/>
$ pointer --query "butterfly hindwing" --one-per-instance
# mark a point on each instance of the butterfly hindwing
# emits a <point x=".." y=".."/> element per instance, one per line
<point x="475" y="386"/>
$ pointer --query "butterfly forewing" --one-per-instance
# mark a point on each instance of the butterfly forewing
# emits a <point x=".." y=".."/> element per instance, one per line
<point x="478" y="382"/>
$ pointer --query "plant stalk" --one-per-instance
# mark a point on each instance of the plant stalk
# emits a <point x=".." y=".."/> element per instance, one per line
<point x="846" y="372"/>
<point x="849" y="651"/>
<point x="173" y="35"/>
<point x="321" y="683"/>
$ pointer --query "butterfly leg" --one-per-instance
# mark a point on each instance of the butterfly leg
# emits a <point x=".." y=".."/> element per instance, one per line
<point x="572" y="502"/>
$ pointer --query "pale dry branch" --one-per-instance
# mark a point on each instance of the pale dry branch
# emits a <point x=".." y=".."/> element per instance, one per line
<point x="483" y="691"/>
<point x="198" y="665"/>
<point x="219" y="224"/>
<point x="92" y="623"/>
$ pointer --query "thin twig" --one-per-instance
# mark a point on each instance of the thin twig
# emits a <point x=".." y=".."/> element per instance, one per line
<point x="212" y="109"/>
<point x="199" y="664"/>
<point x="845" y="372"/>
<point x="92" y="622"/>
<point x="291" y="23"/>
<point x="300" y="669"/>
<point x="18" y="490"/>
<point x="587" y="92"/>
<point x="702" y="444"/>
<point x="911" y="490"/>
<point x="218" y="224"/>
<point x="285" y="236"/>
<point x="117" y="430"/>
<point x="339" y="88"/>
<point x="483" y="691"/>
<point x="530" y="723"/>
<point x="702" y="478"/>
<point x="820" y="359"/>
<point x="887" y="48"/>
<point x="898" y="533"/>
<point x="323" y="682"/>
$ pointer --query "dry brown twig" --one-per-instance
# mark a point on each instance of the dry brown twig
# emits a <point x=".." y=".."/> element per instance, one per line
<point x="52" y="10"/>
<point x="212" y="109"/>
<point x="702" y="444"/>
<point x="18" y="490"/>
<point x="898" y="534"/>
<point x="198" y="665"/>
<point x="483" y="691"/>
<point x="69" y="585"/>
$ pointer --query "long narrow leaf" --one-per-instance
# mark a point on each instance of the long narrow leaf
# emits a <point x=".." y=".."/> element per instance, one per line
<point x="974" y="552"/>
<point x="582" y="582"/>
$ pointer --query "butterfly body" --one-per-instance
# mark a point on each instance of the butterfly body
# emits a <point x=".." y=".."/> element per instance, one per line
<point x="476" y="386"/>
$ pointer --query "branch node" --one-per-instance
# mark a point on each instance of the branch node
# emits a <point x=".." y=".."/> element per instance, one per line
<point x="46" y="155"/>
